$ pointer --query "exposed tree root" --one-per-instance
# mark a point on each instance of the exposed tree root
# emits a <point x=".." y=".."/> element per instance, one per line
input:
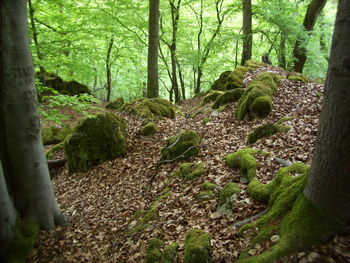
<point x="297" y="222"/>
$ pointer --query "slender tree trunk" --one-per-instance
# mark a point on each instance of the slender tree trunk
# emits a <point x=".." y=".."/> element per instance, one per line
<point x="247" y="31"/>
<point x="329" y="180"/>
<point x="108" y="69"/>
<point x="282" y="51"/>
<point x="182" y="81"/>
<point x="27" y="173"/>
<point x="199" y="80"/>
<point x="153" y="39"/>
<point x="300" y="50"/>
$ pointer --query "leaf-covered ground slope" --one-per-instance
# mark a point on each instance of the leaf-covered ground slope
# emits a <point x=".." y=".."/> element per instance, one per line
<point x="101" y="203"/>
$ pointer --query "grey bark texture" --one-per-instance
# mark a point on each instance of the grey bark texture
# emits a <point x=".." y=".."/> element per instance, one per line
<point x="300" y="51"/>
<point x="153" y="39"/>
<point x="27" y="176"/>
<point x="247" y="31"/>
<point x="329" y="178"/>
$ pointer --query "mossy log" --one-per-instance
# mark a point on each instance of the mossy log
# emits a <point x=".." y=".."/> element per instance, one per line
<point x="197" y="246"/>
<point x="95" y="140"/>
<point x="297" y="78"/>
<point x="266" y="130"/>
<point x="296" y="221"/>
<point x="257" y="98"/>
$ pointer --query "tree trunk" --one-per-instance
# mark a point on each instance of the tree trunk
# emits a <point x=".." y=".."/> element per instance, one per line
<point x="299" y="52"/>
<point x="108" y="69"/>
<point x="182" y="81"/>
<point x="247" y="31"/>
<point x="329" y="180"/>
<point x="282" y="51"/>
<point x="199" y="80"/>
<point x="153" y="39"/>
<point x="26" y="170"/>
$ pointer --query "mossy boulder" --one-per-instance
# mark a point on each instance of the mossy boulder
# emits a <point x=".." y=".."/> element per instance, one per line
<point x="208" y="191"/>
<point x="227" y="97"/>
<point x="257" y="98"/>
<point x="230" y="80"/>
<point x="227" y="192"/>
<point x="151" y="108"/>
<point x="253" y="64"/>
<point x="190" y="170"/>
<point x="181" y="146"/>
<point x="149" y="129"/>
<point x="197" y="246"/>
<point x="266" y="130"/>
<point x="211" y="96"/>
<point x="208" y="186"/>
<point x="157" y="252"/>
<point x="55" y="82"/>
<point x="116" y="104"/>
<point x="95" y="140"/>
<point x="55" y="134"/>
<point x="298" y="78"/>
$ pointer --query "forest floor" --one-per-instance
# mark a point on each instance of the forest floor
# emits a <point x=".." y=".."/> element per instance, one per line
<point x="100" y="203"/>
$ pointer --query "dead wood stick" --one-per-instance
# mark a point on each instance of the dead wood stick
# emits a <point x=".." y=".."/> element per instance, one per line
<point x="250" y="219"/>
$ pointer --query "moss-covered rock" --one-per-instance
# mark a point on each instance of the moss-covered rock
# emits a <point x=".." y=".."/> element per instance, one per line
<point x="197" y="246"/>
<point x="266" y="130"/>
<point x="181" y="146"/>
<point x="95" y="140"/>
<point x="190" y="170"/>
<point x="55" y="134"/>
<point x="253" y="64"/>
<point x="225" y="196"/>
<point x="211" y="96"/>
<point x="150" y="108"/>
<point x="116" y="104"/>
<point x="256" y="99"/>
<point x="26" y="233"/>
<point x="298" y="78"/>
<point x="169" y="252"/>
<point x="206" y="195"/>
<point x="149" y="129"/>
<point x="227" y="97"/>
<point x="154" y="251"/>
<point x="208" y="186"/>
<point x="230" y="80"/>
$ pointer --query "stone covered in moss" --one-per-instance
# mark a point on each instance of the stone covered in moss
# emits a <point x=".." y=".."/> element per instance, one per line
<point x="266" y="130"/>
<point x="227" y="97"/>
<point x="95" y="140"/>
<point x="256" y="99"/>
<point x="229" y="80"/>
<point x="206" y="195"/>
<point x="153" y="251"/>
<point x="116" y="104"/>
<point x="169" y="253"/>
<point x="211" y="96"/>
<point x="206" y="120"/>
<point x="55" y="134"/>
<point x="151" y="108"/>
<point x="197" y="246"/>
<point x="149" y="129"/>
<point x="181" y="146"/>
<point x="190" y="170"/>
<point x="253" y="64"/>
<point x="209" y="186"/>
<point x="297" y="78"/>
<point x="227" y="192"/>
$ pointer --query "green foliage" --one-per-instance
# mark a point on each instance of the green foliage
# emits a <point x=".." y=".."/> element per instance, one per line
<point x="95" y="140"/>
<point x="197" y="246"/>
<point x="182" y="145"/>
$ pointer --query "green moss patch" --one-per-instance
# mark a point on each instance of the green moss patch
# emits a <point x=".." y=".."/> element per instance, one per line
<point x="206" y="120"/>
<point x="181" y="146"/>
<point x="211" y="96"/>
<point x="209" y="186"/>
<point x="227" y="192"/>
<point x="55" y="134"/>
<point x="230" y="80"/>
<point x="116" y="104"/>
<point x="253" y="64"/>
<point x="26" y="233"/>
<point x="157" y="252"/>
<point x="266" y="130"/>
<point x="197" y="246"/>
<point x="206" y="195"/>
<point x="297" y="78"/>
<point x="95" y="140"/>
<point x="227" y="97"/>
<point x="151" y="108"/>
<point x="296" y="220"/>
<point x="190" y="170"/>
<point x="149" y="129"/>
<point x="257" y="98"/>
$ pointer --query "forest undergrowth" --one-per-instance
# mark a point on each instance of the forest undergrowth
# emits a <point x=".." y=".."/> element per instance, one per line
<point x="101" y="203"/>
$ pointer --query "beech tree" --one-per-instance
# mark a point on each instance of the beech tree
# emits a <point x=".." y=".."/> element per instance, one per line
<point x="25" y="184"/>
<point x="247" y="31"/>
<point x="153" y="39"/>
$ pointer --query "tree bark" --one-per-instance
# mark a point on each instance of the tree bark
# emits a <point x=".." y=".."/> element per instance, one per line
<point x="300" y="50"/>
<point x="26" y="171"/>
<point x="108" y="69"/>
<point x="329" y="182"/>
<point x="153" y="39"/>
<point x="247" y="31"/>
<point x="282" y="51"/>
<point x="182" y="81"/>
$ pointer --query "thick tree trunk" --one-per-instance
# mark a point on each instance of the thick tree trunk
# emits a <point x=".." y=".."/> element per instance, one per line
<point x="7" y="217"/>
<point x="108" y="69"/>
<point x="329" y="180"/>
<point x="27" y="172"/>
<point x="300" y="51"/>
<point x="247" y="31"/>
<point x="153" y="39"/>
